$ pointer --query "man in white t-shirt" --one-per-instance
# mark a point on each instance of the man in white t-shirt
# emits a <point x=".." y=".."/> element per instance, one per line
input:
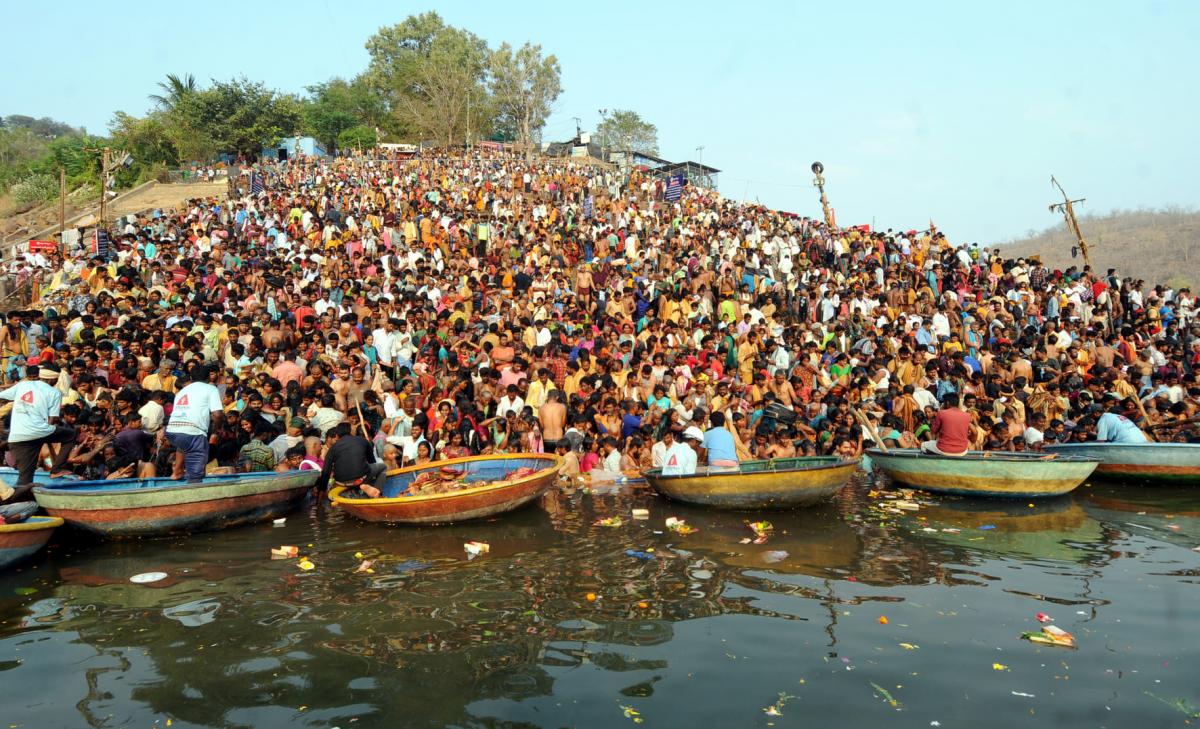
<point x="681" y="457"/>
<point x="198" y="407"/>
<point x="34" y="423"/>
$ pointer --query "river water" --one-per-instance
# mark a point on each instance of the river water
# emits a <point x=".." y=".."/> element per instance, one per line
<point x="855" y="614"/>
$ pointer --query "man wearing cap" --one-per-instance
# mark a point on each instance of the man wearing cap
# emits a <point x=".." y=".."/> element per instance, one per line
<point x="681" y="457"/>
<point x="198" y="409"/>
<point x="34" y="423"/>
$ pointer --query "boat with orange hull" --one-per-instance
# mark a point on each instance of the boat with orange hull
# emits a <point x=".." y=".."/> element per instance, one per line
<point x="23" y="539"/>
<point x="133" y="507"/>
<point x="483" y="490"/>
<point x="1174" y="464"/>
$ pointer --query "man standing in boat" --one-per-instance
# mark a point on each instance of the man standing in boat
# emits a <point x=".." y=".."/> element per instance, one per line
<point x="34" y="423"/>
<point x="951" y="427"/>
<point x="198" y="409"/>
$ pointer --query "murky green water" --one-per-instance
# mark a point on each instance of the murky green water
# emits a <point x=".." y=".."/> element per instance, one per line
<point x="708" y="634"/>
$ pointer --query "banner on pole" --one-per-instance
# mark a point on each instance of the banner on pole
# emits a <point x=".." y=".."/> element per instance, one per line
<point x="674" y="187"/>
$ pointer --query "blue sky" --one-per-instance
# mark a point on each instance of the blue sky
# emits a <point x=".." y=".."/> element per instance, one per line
<point x="955" y="111"/>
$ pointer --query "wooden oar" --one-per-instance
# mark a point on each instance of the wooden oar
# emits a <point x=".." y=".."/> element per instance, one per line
<point x="1145" y="418"/>
<point x="862" y="420"/>
<point x="1172" y="424"/>
<point x="361" y="423"/>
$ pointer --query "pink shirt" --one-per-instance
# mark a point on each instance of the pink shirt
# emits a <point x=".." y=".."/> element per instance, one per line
<point x="952" y="428"/>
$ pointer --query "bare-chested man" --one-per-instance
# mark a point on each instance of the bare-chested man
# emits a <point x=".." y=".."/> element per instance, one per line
<point x="553" y="416"/>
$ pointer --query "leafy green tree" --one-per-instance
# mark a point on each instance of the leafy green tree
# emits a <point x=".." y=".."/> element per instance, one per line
<point x="625" y="131"/>
<point x="238" y="116"/>
<point x="45" y="127"/>
<point x="147" y="138"/>
<point x="524" y="86"/>
<point x="357" y="137"/>
<point x="338" y="105"/>
<point x="174" y="90"/>
<point x="80" y="156"/>
<point x="432" y="77"/>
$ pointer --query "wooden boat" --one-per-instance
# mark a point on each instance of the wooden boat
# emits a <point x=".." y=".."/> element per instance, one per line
<point x="985" y="473"/>
<point x="779" y="483"/>
<point x="23" y="539"/>
<point x="134" y="507"/>
<point x="8" y="477"/>
<point x="1157" y="463"/>
<point x="484" y="493"/>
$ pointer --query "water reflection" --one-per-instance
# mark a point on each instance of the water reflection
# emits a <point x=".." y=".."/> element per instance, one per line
<point x="232" y="638"/>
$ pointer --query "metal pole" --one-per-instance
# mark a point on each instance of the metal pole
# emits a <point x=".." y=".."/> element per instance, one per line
<point x="103" y="192"/>
<point x="62" y="202"/>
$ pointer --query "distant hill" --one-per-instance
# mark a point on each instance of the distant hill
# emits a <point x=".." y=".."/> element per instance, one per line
<point x="1159" y="246"/>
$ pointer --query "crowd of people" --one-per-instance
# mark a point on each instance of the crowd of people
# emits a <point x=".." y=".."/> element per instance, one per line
<point x="475" y="303"/>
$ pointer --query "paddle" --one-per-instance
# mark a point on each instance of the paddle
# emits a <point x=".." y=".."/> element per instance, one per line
<point x="862" y="420"/>
<point x="1145" y="419"/>
<point x="361" y="423"/>
<point x="1172" y="424"/>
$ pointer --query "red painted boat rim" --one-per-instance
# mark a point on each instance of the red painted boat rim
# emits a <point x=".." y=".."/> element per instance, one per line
<point x="335" y="495"/>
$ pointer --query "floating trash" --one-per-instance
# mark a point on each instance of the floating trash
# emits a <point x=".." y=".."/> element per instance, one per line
<point x="1051" y="635"/>
<point x="148" y="577"/>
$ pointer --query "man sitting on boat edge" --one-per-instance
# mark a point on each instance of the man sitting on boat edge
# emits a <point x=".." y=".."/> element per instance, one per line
<point x="350" y="461"/>
<point x="681" y="457"/>
<point x="951" y="428"/>
<point x="720" y="448"/>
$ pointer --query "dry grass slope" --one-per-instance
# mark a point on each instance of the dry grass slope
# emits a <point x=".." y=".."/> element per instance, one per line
<point x="1159" y="246"/>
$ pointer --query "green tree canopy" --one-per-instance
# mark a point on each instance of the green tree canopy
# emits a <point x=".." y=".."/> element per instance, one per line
<point x="174" y="90"/>
<point x="338" y="105"/>
<point x="239" y="116"/>
<point x="432" y="77"/>
<point x="625" y="131"/>
<point x="524" y="86"/>
<point x="357" y="137"/>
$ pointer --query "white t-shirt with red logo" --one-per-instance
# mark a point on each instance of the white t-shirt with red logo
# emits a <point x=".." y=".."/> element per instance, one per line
<point x="193" y="410"/>
<point x="679" y="460"/>
<point x="34" y="403"/>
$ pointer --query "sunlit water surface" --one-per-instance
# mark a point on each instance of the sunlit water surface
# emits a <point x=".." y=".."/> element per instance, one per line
<point x="856" y="614"/>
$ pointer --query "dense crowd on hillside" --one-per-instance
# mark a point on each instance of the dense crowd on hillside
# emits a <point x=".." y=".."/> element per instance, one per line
<point x="456" y="305"/>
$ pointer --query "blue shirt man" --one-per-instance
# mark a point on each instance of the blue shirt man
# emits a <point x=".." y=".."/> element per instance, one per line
<point x="1114" y="428"/>
<point x="719" y="443"/>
